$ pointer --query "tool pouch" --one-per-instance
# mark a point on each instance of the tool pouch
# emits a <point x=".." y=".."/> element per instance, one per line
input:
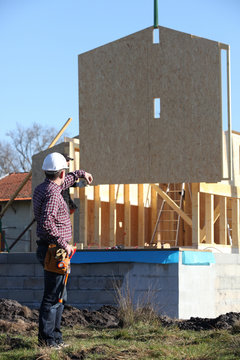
<point x="56" y="260"/>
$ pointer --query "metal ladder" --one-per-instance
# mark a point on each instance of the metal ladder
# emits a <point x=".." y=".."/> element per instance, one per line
<point x="179" y="202"/>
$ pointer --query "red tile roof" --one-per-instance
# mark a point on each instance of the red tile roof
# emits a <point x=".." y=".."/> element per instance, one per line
<point x="10" y="183"/>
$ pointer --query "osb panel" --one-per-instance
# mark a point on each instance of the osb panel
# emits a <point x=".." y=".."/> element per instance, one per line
<point x="121" y="142"/>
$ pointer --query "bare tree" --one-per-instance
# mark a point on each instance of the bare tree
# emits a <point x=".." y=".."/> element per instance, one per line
<point x="16" y="155"/>
<point x="8" y="161"/>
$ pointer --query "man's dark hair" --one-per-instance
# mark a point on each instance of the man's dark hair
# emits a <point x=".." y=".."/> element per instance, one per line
<point x="52" y="175"/>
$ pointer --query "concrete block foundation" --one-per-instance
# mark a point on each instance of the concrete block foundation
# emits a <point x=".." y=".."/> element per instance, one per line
<point x="174" y="289"/>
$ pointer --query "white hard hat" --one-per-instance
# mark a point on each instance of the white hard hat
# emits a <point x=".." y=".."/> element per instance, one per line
<point x="54" y="162"/>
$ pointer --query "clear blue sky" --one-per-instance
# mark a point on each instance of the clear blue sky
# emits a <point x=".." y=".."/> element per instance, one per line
<point x="40" y="41"/>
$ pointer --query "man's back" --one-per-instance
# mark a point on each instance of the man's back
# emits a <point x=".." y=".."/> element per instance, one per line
<point x="51" y="213"/>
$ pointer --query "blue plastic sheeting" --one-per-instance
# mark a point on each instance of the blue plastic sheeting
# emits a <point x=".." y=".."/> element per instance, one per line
<point x="148" y="256"/>
<point x="197" y="258"/>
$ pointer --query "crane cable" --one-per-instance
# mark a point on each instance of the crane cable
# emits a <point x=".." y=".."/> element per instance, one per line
<point x="155" y="14"/>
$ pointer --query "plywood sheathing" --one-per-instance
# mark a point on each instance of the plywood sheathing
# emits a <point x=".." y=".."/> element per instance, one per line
<point x="121" y="142"/>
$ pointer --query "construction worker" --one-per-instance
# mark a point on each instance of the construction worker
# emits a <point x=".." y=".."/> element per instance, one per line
<point x="53" y="227"/>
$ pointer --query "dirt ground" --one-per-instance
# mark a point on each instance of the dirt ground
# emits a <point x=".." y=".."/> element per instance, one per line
<point x="16" y="318"/>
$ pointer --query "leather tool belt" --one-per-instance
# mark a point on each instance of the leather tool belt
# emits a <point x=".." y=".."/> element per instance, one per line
<point x="56" y="260"/>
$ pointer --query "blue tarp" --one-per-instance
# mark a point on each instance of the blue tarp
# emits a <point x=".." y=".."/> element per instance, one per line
<point x="140" y="256"/>
<point x="143" y="256"/>
<point x="197" y="258"/>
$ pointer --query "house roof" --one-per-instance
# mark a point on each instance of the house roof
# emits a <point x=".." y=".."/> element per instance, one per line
<point x="11" y="182"/>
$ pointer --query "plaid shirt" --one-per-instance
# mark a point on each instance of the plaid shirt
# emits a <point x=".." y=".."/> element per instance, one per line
<point x="51" y="211"/>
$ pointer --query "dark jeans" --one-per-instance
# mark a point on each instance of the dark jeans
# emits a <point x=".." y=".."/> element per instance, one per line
<point x="50" y="313"/>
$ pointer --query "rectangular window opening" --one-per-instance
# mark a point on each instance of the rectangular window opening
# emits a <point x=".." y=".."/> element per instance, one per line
<point x="156" y="36"/>
<point x="157" y="108"/>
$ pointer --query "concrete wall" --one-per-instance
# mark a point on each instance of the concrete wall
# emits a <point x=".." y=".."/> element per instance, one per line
<point x="92" y="285"/>
<point x="197" y="291"/>
<point x="227" y="282"/>
<point x="178" y="290"/>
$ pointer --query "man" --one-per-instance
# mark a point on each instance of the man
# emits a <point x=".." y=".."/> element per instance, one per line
<point x="53" y="227"/>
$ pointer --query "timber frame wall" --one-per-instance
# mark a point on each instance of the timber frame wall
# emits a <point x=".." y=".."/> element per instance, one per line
<point x="206" y="216"/>
<point x="209" y="216"/>
<point x="126" y="214"/>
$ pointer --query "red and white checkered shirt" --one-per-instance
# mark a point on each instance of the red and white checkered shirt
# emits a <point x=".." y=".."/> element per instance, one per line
<point x="51" y="211"/>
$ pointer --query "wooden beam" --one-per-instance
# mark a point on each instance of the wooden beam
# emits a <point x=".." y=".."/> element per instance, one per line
<point x="187" y="230"/>
<point x="141" y="216"/>
<point x="220" y="189"/>
<point x="153" y="207"/>
<point x="172" y="204"/>
<point x="97" y="215"/>
<point x="83" y="211"/>
<point x="30" y="172"/>
<point x="235" y="223"/>
<point x="195" y="214"/>
<point x="223" y="220"/>
<point x="112" y="216"/>
<point x="127" y="216"/>
<point x="209" y="218"/>
<point x="229" y="133"/>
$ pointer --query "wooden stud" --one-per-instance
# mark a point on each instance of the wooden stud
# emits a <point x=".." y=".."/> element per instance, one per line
<point x="209" y="218"/>
<point x="230" y="160"/>
<point x="97" y="215"/>
<point x="195" y="214"/>
<point x="112" y="216"/>
<point x="83" y="216"/>
<point x="216" y="216"/>
<point x="153" y="207"/>
<point x="223" y="220"/>
<point x="127" y="216"/>
<point x="188" y="210"/>
<point x="235" y="223"/>
<point x="141" y="216"/>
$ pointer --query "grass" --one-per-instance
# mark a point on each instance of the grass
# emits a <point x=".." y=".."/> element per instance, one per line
<point x="143" y="340"/>
<point x="141" y="337"/>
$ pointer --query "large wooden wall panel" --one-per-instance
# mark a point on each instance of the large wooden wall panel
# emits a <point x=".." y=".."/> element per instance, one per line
<point x="113" y="112"/>
<point x="121" y="141"/>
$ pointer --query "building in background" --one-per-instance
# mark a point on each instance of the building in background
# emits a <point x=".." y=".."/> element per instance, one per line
<point x="19" y="214"/>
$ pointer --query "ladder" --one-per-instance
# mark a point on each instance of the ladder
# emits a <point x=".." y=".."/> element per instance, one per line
<point x="173" y="219"/>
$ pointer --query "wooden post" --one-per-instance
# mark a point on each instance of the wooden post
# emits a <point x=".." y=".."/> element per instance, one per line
<point x="83" y="210"/>
<point x="188" y="210"/>
<point x="97" y="215"/>
<point x="230" y="155"/>
<point x="153" y="207"/>
<point x="235" y="223"/>
<point x="71" y="168"/>
<point x="141" y="217"/>
<point x="195" y="214"/>
<point x="209" y="218"/>
<point x="223" y="220"/>
<point x="127" y="216"/>
<point x="112" y="216"/>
